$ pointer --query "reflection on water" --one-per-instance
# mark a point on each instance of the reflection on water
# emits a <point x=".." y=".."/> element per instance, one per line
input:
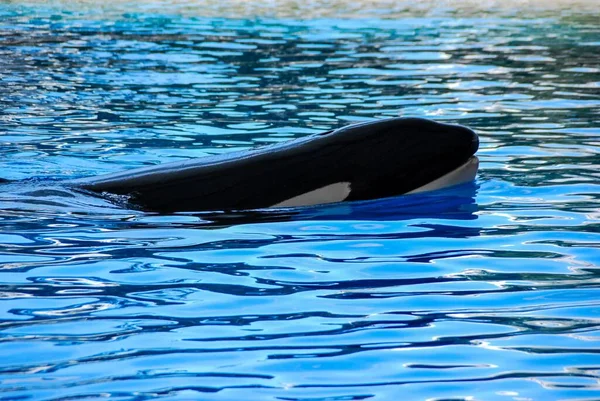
<point x="487" y="291"/>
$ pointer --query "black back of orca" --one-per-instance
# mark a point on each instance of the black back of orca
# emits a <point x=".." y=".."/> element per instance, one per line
<point x="377" y="159"/>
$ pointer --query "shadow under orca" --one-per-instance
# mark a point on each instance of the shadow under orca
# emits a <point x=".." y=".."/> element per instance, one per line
<point x="365" y="161"/>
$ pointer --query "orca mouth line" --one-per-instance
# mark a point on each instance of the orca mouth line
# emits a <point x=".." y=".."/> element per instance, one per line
<point x="364" y="161"/>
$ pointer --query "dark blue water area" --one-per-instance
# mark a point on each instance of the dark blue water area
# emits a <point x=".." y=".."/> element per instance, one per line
<point x="487" y="291"/>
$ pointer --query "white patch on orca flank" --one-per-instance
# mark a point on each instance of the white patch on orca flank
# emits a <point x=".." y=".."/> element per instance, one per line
<point x="328" y="194"/>
<point x="460" y="175"/>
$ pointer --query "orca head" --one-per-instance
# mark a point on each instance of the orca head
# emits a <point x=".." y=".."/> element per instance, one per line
<point x="364" y="161"/>
<point x="400" y="155"/>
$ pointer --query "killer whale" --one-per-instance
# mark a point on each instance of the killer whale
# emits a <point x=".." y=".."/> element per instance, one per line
<point x="364" y="161"/>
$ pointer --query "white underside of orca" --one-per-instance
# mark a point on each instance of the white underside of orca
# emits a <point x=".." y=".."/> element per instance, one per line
<point x="339" y="191"/>
<point x="328" y="194"/>
<point x="460" y="175"/>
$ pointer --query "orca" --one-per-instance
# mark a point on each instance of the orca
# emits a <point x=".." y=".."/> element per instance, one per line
<point x="370" y="160"/>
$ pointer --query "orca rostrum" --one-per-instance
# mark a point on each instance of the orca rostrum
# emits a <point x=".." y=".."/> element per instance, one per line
<point x="370" y="160"/>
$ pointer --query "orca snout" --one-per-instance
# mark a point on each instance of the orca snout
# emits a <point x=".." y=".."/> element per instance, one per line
<point x="426" y="139"/>
<point x="465" y="136"/>
<point x="449" y="143"/>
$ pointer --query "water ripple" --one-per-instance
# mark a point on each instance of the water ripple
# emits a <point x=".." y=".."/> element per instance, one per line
<point x="486" y="291"/>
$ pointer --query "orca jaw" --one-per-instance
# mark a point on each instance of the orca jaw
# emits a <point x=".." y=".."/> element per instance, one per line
<point x="460" y="175"/>
<point x="340" y="191"/>
<point x="332" y="193"/>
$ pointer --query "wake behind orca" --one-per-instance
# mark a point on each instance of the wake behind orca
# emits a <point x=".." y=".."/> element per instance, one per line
<point x="363" y="161"/>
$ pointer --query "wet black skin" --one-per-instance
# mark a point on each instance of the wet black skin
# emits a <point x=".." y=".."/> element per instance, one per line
<point x="380" y="159"/>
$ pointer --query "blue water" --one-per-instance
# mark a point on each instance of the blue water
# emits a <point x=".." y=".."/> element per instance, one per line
<point x="489" y="291"/>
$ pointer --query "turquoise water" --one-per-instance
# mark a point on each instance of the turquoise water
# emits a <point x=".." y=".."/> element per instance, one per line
<point x="489" y="291"/>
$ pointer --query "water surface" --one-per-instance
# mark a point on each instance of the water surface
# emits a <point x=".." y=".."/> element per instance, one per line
<point x="489" y="291"/>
